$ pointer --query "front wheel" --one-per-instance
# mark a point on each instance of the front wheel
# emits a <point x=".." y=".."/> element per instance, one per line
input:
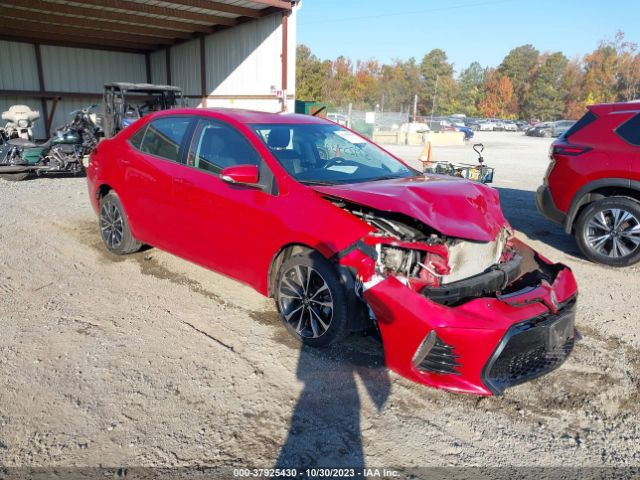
<point x="312" y="300"/>
<point x="608" y="231"/>
<point x="114" y="226"/>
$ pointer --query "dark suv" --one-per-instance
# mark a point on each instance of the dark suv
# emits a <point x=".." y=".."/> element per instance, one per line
<point x="592" y="185"/>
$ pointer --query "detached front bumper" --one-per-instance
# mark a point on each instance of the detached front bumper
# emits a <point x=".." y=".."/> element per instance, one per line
<point x="483" y="345"/>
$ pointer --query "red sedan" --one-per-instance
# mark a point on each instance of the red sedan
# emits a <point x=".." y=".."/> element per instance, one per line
<point x="345" y="237"/>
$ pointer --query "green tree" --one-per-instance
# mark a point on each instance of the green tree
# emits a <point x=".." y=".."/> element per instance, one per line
<point x="499" y="100"/>
<point x="546" y="97"/>
<point x="519" y="65"/>
<point x="470" y="89"/>
<point x="399" y="83"/>
<point x="572" y="79"/>
<point x="435" y="69"/>
<point x="311" y="75"/>
<point x="339" y="87"/>
<point x="366" y="84"/>
<point x="600" y="79"/>
<point x="628" y="68"/>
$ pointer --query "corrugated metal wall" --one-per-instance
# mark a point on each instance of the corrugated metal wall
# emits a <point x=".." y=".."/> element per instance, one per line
<point x="81" y="70"/>
<point x="159" y="67"/>
<point x="185" y="67"/>
<point x="19" y="70"/>
<point x="243" y="60"/>
<point x="246" y="60"/>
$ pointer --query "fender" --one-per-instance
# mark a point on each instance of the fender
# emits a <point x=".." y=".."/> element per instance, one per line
<point x="585" y="195"/>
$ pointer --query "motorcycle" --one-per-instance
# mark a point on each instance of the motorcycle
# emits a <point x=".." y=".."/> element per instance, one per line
<point x="20" y="119"/>
<point x="64" y="152"/>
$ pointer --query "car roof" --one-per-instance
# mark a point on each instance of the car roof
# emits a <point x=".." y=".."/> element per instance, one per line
<point x="605" y="108"/>
<point x="249" y="116"/>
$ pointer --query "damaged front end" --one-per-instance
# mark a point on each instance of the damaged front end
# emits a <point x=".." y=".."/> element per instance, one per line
<point x="467" y="316"/>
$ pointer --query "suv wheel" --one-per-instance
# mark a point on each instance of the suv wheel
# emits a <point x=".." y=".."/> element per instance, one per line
<point x="312" y="300"/>
<point x="608" y="231"/>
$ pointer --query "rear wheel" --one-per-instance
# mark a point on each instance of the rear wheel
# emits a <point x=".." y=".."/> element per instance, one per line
<point x="608" y="231"/>
<point x="15" y="177"/>
<point x="114" y="226"/>
<point x="312" y="300"/>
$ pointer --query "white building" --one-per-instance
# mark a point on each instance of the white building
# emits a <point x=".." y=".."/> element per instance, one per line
<point x="55" y="56"/>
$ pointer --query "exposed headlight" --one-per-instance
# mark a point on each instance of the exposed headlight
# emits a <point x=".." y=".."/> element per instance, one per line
<point x="23" y="123"/>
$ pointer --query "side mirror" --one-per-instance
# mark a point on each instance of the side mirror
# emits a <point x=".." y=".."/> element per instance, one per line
<point x="241" y="174"/>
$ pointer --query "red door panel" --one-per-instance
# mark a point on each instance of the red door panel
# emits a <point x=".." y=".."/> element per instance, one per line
<point x="227" y="228"/>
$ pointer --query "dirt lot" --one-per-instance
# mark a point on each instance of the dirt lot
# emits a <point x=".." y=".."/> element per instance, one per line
<point x="150" y="360"/>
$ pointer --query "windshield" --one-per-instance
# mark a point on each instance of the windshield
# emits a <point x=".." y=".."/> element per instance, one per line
<point x="329" y="154"/>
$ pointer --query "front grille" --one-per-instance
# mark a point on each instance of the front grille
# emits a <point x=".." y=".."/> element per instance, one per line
<point x="525" y="352"/>
<point x="440" y="359"/>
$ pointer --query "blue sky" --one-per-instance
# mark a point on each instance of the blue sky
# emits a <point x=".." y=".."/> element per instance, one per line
<point x="468" y="30"/>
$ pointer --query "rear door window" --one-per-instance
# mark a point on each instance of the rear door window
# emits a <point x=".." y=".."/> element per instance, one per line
<point x="136" y="138"/>
<point x="630" y="130"/>
<point x="163" y="137"/>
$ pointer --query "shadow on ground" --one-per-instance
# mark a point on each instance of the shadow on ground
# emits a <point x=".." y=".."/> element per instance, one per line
<point x="325" y="426"/>
<point x="519" y="206"/>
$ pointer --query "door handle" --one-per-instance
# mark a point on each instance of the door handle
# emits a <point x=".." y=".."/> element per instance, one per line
<point x="181" y="184"/>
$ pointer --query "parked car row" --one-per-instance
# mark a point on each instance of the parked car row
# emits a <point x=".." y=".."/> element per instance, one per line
<point x="549" y="129"/>
<point x="496" y="125"/>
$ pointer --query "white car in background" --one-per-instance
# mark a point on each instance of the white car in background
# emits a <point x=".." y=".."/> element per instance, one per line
<point x="485" y="126"/>
<point x="498" y="125"/>
<point x="510" y="126"/>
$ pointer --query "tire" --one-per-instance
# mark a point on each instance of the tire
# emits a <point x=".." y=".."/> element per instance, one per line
<point x="546" y="133"/>
<point x="114" y="226"/>
<point x="608" y="231"/>
<point x="312" y="300"/>
<point x="15" y="177"/>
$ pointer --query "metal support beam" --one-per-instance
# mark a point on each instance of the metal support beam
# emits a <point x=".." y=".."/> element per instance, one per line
<point x="167" y="56"/>
<point x="93" y="14"/>
<point x="49" y="120"/>
<point x="285" y="59"/>
<point x="86" y="32"/>
<point x="203" y="71"/>
<point x="147" y="65"/>
<point x="17" y="35"/>
<point x="41" y="86"/>
<point x="286" y="5"/>
<point x="54" y="18"/>
<point x="136" y="8"/>
<point x="219" y="7"/>
<point x="39" y="94"/>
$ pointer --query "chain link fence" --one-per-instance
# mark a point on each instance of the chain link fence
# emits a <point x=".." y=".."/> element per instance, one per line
<point x="368" y="122"/>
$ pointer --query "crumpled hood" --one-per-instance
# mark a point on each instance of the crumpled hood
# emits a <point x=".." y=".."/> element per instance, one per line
<point x="452" y="206"/>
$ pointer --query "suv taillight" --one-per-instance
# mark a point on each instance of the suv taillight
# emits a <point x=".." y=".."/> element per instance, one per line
<point x="568" y="150"/>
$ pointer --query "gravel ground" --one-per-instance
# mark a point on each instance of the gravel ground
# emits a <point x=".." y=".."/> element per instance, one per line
<point x="149" y="360"/>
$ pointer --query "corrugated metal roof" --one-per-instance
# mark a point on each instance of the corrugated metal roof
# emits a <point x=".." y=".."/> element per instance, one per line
<point x="141" y="25"/>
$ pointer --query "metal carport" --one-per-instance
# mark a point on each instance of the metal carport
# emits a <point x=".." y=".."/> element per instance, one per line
<point x="57" y="54"/>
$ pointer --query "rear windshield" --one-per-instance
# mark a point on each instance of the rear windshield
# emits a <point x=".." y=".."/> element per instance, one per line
<point x="586" y="119"/>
